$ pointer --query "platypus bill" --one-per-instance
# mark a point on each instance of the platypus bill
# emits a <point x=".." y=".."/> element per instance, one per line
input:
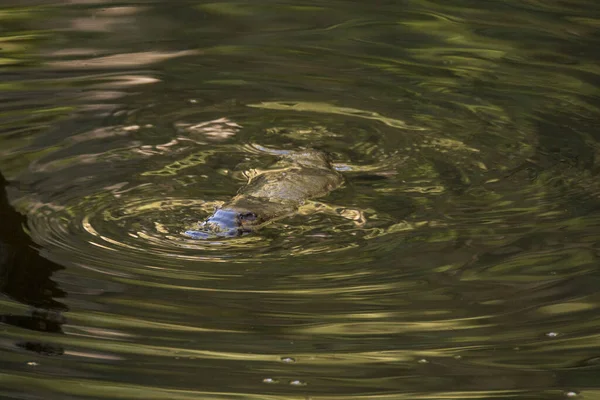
<point x="272" y="194"/>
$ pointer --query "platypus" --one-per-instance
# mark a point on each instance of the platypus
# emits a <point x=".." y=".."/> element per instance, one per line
<point x="272" y="194"/>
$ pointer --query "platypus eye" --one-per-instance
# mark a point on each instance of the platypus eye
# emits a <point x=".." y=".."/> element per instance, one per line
<point x="248" y="216"/>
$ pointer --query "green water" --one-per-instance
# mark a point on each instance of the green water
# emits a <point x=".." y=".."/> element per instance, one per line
<point x="458" y="260"/>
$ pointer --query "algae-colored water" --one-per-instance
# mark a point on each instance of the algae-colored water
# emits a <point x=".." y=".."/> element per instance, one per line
<point x="458" y="260"/>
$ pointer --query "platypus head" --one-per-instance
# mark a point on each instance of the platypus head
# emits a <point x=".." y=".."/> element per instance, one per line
<point x="230" y="222"/>
<point x="226" y="222"/>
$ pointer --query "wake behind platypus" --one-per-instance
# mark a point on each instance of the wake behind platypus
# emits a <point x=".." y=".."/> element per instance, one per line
<point x="272" y="194"/>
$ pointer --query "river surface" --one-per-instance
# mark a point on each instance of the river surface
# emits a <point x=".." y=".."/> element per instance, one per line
<point x="459" y="260"/>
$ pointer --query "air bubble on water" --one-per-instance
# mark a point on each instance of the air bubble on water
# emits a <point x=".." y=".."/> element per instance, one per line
<point x="288" y="360"/>
<point x="33" y="364"/>
<point x="270" y="381"/>
<point x="571" y="394"/>
<point x="342" y="167"/>
<point x="423" y="361"/>
<point x="298" y="383"/>
<point x="552" y="334"/>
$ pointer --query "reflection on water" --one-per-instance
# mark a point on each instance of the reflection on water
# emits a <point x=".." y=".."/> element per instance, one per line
<point x="458" y="259"/>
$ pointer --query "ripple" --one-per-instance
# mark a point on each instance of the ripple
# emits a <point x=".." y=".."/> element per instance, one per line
<point x="128" y="218"/>
<point x="331" y="109"/>
<point x="457" y="261"/>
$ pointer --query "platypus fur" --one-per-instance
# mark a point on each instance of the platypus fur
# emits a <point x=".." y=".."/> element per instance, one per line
<point x="272" y="194"/>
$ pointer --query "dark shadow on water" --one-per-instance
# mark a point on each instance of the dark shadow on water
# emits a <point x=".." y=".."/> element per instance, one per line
<point x="25" y="276"/>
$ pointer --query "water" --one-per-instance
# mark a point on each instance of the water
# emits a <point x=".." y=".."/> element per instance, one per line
<point x="459" y="259"/>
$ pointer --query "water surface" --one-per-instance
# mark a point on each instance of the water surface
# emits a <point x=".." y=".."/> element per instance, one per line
<point x="458" y="260"/>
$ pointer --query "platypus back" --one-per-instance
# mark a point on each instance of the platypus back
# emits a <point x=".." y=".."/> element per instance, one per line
<point x="273" y="194"/>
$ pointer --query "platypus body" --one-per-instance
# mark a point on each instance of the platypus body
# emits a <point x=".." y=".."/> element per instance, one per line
<point x="272" y="194"/>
